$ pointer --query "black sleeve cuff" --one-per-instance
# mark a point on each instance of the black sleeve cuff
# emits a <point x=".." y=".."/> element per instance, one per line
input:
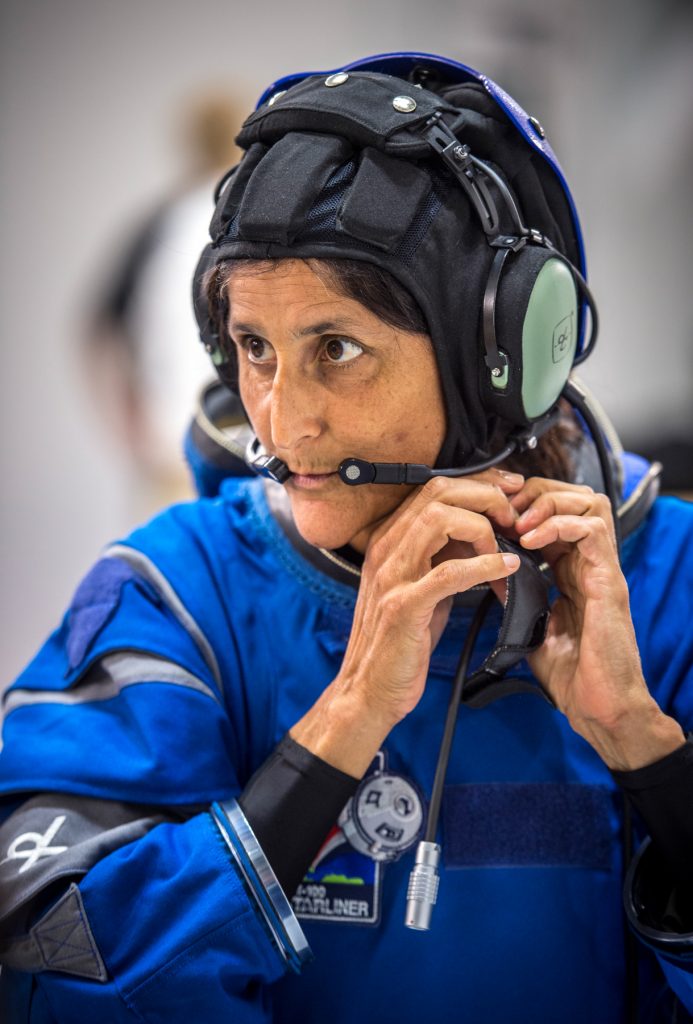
<point x="291" y="803"/>
<point x="659" y="888"/>
<point x="662" y="794"/>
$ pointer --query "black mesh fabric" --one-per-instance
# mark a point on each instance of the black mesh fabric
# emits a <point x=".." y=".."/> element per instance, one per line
<point x="323" y="215"/>
<point x="409" y="243"/>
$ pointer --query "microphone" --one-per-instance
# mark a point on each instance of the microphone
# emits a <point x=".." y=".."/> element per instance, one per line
<point x="265" y="464"/>
<point x="358" y="471"/>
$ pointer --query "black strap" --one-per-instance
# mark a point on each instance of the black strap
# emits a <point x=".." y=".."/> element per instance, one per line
<point x="267" y="212"/>
<point x="384" y="199"/>
<point x="522" y="630"/>
<point x="360" y="109"/>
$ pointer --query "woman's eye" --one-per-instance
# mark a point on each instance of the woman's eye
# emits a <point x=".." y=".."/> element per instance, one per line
<point x="258" y="350"/>
<point x="341" y="350"/>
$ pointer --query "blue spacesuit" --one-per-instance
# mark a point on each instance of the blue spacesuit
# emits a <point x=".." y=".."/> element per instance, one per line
<point x="187" y="653"/>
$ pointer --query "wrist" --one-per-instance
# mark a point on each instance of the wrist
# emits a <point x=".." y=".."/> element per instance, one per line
<point x="636" y="738"/>
<point x="342" y="730"/>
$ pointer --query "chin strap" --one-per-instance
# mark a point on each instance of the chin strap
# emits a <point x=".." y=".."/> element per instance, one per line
<point x="522" y="630"/>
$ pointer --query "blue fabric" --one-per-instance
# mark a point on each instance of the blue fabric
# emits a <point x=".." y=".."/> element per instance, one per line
<point x="519" y="940"/>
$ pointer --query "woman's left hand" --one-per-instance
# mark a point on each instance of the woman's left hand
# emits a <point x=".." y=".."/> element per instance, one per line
<point x="589" y="661"/>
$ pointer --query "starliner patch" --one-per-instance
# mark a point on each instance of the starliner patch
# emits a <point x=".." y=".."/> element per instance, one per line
<point x="383" y="819"/>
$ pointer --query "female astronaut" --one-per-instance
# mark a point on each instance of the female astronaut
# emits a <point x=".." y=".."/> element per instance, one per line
<point x="235" y="756"/>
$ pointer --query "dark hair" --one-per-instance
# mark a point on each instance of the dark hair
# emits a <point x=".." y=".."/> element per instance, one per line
<point x="383" y="295"/>
<point x="376" y="289"/>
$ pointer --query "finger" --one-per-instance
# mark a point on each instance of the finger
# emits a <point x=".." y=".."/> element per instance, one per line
<point x="438" y="525"/>
<point x="554" y="503"/>
<point x="591" y="534"/>
<point x="436" y="528"/>
<point x="476" y="495"/>
<point x="456" y="576"/>
<point x="485" y="493"/>
<point x="508" y="482"/>
<point x="537" y="485"/>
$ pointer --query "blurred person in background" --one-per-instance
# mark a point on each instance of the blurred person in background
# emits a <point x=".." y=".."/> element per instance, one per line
<point x="143" y="372"/>
<point x="229" y="753"/>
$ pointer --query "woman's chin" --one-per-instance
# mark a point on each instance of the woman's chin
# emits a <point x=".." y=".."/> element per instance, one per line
<point x="324" y="536"/>
<point x="324" y="528"/>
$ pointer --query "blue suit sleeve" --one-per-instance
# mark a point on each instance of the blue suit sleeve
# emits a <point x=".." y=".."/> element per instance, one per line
<point x="180" y="937"/>
<point x="123" y="707"/>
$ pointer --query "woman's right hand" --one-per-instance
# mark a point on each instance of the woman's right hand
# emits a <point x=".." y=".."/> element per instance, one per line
<point x="439" y="542"/>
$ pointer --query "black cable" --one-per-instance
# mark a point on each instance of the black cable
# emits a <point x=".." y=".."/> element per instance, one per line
<point x="451" y="718"/>
<point x="479" y="467"/>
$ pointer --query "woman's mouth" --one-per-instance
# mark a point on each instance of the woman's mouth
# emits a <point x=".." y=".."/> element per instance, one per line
<point x="310" y="481"/>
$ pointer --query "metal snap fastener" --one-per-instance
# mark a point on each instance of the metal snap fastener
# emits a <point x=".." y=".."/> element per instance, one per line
<point x="537" y="127"/>
<point x="405" y="104"/>
<point x="337" y="79"/>
<point x="273" y="99"/>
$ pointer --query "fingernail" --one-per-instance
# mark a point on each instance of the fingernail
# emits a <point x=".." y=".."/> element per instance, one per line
<point x="511" y="561"/>
<point x="529" y="534"/>
<point x="512" y="478"/>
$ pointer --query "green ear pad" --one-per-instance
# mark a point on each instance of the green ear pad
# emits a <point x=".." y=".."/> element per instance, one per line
<point x="536" y="331"/>
<point x="549" y="337"/>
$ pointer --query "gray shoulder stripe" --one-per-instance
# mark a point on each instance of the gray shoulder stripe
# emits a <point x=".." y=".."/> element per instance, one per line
<point x="146" y="568"/>
<point x="108" y="677"/>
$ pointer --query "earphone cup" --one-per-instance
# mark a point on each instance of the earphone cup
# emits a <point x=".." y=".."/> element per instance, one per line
<point x="536" y="320"/>
<point x="225" y="367"/>
<point x="199" y="297"/>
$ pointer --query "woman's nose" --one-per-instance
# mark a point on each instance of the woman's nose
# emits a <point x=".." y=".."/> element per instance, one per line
<point x="295" y="410"/>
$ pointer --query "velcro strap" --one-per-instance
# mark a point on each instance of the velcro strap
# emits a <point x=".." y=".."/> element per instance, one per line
<point x="269" y="211"/>
<point x="361" y="110"/>
<point x="522" y="630"/>
<point x="383" y="200"/>
<point x="528" y="824"/>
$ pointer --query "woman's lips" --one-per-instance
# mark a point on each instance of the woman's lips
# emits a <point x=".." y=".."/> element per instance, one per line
<point x="310" y="481"/>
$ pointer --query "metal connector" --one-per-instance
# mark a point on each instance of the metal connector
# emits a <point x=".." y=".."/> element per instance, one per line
<point x="423" y="887"/>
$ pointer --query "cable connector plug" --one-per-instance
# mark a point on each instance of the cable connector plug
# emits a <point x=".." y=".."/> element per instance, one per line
<point x="423" y="886"/>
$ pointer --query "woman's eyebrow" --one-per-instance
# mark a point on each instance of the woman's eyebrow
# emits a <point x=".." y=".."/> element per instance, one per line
<point x="322" y="327"/>
<point x="340" y="323"/>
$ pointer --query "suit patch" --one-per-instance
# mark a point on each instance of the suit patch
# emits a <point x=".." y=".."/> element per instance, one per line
<point x="95" y="601"/>
<point x="340" y="885"/>
<point x="383" y="819"/>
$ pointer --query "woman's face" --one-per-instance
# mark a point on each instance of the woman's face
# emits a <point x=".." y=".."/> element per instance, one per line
<point x="323" y="379"/>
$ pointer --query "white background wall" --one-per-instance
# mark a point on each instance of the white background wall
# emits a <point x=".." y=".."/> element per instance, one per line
<point x="88" y="90"/>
